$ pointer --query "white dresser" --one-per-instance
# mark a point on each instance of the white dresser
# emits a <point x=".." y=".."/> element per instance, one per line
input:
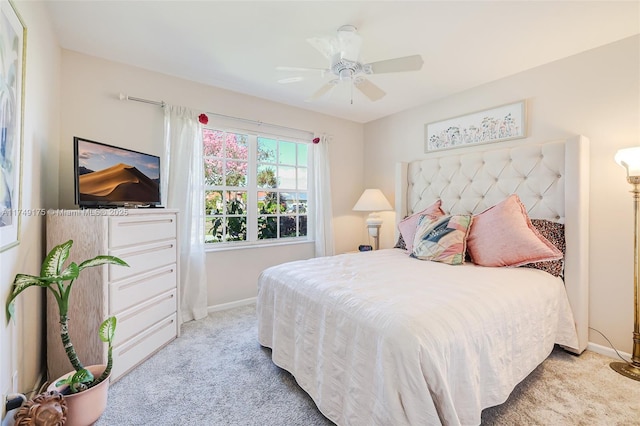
<point x="143" y="297"/>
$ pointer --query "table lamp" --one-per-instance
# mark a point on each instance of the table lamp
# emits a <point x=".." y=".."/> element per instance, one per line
<point x="373" y="201"/>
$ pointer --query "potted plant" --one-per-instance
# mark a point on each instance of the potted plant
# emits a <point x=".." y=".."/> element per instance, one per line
<point x="84" y="382"/>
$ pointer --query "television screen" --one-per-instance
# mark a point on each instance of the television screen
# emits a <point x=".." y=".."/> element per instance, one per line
<point x="109" y="176"/>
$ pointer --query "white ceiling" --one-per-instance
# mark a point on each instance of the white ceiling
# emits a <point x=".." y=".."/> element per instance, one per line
<point x="238" y="45"/>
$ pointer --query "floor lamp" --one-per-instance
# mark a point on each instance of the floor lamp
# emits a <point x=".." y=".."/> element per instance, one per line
<point x="629" y="158"/>
<point x="374" y="201"/>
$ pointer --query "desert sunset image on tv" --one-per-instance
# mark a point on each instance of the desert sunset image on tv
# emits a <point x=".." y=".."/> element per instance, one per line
<point x="111" y="175"/>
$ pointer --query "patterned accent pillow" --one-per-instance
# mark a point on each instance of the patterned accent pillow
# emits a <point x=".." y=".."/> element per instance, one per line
<point x="554" y="232"/>
<point x="442" y="239"/>
<point x="408" y="225"/>
<point x="400" y="243"/>
<point x="503" y="235"/>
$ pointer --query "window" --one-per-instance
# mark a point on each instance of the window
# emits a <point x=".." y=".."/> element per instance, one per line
<point x="256" y="187"/>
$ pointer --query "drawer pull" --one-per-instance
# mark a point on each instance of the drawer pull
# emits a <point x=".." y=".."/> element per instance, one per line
<point x="147" y="307"/>
<point x="148" y="278"/>
<point x="150" y="250"/>
<point x="145" y="222"/>
<point x="157" y="330"/>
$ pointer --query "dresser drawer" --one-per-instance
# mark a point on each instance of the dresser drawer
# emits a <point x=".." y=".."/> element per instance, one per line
<point x="143" y="258"/>
<point x="136" y="350"/>
<point x="130" y="230"/>
<point x="135" y="320"/>
<point x="131" y="291"/>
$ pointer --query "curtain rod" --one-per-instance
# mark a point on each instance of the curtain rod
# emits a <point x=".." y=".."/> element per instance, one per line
<point x="259" y="123"/>
<point x="124" y="97"/>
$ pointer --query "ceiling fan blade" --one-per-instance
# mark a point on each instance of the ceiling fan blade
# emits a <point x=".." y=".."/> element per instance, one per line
<point x="369" y="89"/>
<point x="407" y="63"/>
<point x="346" y="44"/>
<point x="323" y="91"/>
<point x="299" y="69"/>
<point x="288" y="80"/>
<point x="325" y="46"/>
<point x="349" y="43"/>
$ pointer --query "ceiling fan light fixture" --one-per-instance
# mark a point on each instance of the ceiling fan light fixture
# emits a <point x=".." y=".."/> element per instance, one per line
<point x="343" y="52"/>
<point x="345" y="74"/>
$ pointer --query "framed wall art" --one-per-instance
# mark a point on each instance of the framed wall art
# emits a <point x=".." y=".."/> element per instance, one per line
<point x="492" y="125"/>
<point x="13" y="36"/>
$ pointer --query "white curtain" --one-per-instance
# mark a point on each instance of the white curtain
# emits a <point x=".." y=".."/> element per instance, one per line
<point x="182" y="189"/>
<point x="322" y="198"/>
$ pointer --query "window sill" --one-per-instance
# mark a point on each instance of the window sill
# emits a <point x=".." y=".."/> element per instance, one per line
<point x="248" y="246"/>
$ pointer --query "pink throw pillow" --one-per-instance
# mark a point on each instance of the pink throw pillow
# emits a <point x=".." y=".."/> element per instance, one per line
<point x="503" y="235"/>
<point x="409" y="224"/>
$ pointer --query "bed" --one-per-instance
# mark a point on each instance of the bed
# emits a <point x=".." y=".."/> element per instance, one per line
<point x="383" y="338"/>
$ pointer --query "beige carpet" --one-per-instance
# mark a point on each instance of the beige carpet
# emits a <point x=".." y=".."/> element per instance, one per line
<point x="218" y="374"/>
<point x="570" y="390"/>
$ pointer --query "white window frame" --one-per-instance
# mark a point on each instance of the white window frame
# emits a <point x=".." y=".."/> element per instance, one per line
<point x="253" y="132"/>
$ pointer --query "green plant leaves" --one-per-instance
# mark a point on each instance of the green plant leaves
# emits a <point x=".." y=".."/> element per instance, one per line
<point x="74" y="381"/>
<point x="108" y="330"/>
<point x="20" y="283"/>
<point x="70" y="273"/>
<point x="52" y="264"/>
<point x="102" y="260"/>
<point x="60" y="282"/>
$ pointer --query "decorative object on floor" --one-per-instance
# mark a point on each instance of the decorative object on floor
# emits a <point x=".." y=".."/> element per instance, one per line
<point x="53" y="275"/>
<point x="374" y="201"/>
<point x="13" y="39"/>
<point x="629" y="158"/>
<point x="345" y="63"/>
<point x="492" y="125"/>
<point x="46" y="409"/>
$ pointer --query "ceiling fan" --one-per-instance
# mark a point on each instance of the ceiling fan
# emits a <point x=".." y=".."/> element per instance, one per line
<point x="343" y="53"/>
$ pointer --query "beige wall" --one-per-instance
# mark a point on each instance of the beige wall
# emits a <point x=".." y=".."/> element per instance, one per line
<point x="21" y="348"/>
<point x="595" y="94"/>
<point x="91" y="109"/>
<point x="68" y="94"/>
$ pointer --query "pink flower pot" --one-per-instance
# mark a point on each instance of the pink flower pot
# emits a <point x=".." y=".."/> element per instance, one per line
<point x="85" y="408"/>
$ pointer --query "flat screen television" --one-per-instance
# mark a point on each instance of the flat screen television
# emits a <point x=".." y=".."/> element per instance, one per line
<point x="110" y="176"/>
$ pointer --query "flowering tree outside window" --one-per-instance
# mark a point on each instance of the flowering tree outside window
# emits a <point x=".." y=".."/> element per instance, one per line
<point x="255" y="187"/>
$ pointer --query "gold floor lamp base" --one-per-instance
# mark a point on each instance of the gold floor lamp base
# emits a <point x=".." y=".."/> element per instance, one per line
<point x="627" y="370"/>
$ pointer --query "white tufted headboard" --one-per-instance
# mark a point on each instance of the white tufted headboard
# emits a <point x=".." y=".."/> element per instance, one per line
<point x="551" y="180"/>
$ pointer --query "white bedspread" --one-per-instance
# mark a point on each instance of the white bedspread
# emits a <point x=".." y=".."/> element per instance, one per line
<point x="379" y="338"/>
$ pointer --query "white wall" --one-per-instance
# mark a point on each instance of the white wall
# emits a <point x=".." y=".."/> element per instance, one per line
<point x="21" y="347"/>
<point x="595" y="94"/>
<point x="91" y="109"/>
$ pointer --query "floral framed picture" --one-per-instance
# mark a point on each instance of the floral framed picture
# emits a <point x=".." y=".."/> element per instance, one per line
<point x="501" y="123"/>
<point x="13" y="37"/>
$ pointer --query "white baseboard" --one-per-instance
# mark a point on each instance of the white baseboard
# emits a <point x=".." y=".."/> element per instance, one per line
<point x="606" y="351"/>
<point x="225" y="306"/>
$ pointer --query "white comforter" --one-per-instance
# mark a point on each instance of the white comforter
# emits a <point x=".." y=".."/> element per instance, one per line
<point x="380" y="338"/>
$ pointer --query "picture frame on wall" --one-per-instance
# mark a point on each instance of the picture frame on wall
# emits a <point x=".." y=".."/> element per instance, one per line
<point x="496" y="124"/>
<point x="13" y="38"/>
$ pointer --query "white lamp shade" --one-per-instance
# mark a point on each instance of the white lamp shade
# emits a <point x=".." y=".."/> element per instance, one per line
<point x="629" y="158"/>
<point x="372" y="200"/>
